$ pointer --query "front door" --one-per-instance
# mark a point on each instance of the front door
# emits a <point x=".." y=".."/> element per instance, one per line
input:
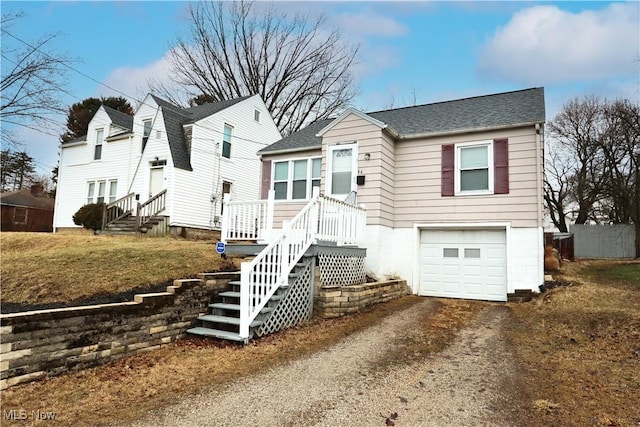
<point x="156" y="181"/>
<point x="341" y="170"/>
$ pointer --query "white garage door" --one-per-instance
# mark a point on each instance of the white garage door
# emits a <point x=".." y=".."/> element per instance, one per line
<point x="468" y="264"/>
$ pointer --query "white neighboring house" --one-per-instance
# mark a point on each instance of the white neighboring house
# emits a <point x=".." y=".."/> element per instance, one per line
<point x="191" y="155"/>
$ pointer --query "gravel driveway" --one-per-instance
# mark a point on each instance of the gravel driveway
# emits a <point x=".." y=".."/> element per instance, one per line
<point x="340" y="386"/>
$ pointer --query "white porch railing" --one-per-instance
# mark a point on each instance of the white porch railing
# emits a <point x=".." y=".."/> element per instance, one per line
<point x="247" y="220"/>
<point x="322" y="218"/>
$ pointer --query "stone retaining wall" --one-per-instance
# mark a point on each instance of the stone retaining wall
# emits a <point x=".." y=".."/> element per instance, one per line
<point x="49" y="342"/>
<point x="338" y="301"/>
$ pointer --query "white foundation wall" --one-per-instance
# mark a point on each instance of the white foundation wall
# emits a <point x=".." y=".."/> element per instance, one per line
<point x="525" y="258"/>
<point x="378" y="241"/>
<point x="395" y="252"/>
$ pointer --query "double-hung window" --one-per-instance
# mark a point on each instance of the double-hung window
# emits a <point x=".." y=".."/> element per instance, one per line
<point x="295" y="179"/>
<point x="103" y="191"/>
<point x="226" y="141"/>
<point x="97" y="153"/>
<point x="475" y="168"/>
<point x="146" y="124"/>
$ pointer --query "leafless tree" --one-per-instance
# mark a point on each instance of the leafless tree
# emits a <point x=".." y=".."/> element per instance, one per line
<point x="32" y="79"/>
<point x="300" y="69"/>
<point x="557" y="185"/>
<point x="578" y="129"/>
<point x="621" y="154"/>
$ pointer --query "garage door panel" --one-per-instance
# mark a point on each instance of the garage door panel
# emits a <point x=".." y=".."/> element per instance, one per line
<point x="463" y="264"/>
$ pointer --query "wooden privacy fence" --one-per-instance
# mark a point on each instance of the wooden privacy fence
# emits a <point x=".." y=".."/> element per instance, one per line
<point x="604" y="241"/>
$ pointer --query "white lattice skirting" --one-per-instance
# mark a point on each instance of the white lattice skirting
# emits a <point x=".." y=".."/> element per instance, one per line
<point x="295" y="306"/>
<point x="341" y="269"/>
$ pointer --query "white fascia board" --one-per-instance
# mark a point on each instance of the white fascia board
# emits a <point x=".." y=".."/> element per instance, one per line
<point x="358" y="113"/>
<point x="73" y="144"/>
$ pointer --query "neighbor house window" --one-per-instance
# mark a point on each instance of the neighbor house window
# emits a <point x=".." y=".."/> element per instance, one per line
<point x="20" y="215"/>
<point x="97" y="153"/>
<point x="226" y="141"/>
<point x="295" y="179"/>
<point x="103" y="191"/>
<point x="146" y="124"/>
<point x="256" y="115"/>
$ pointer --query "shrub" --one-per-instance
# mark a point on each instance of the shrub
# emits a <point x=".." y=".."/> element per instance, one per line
<point x="90" y="216"/>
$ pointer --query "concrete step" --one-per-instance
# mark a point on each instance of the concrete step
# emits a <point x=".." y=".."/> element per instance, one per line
<point x="228" y="320"/>
<point x="223" y="306"/>
<point x="229" y="294"/>
<point x="216" y="333"/>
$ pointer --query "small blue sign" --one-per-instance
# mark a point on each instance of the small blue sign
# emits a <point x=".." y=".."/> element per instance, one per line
<point x="220" y="247"/>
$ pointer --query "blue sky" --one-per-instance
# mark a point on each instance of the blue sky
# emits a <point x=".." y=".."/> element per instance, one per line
<point x="411" y="52"/>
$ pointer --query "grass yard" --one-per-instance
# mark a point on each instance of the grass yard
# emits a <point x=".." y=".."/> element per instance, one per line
<point x="42" y="268"/>
<point x="580" y="347"/>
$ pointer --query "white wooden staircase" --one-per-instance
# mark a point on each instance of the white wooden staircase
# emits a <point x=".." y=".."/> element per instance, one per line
<point x="276" y="287"/>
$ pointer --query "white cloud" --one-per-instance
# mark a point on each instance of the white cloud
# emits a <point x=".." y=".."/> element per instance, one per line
<point x="133" y="81"/>
<point x="369" y="24"/>
<point x="544" y="44"/>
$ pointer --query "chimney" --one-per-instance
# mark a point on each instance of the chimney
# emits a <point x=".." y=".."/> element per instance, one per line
<point x="37" y="190"/>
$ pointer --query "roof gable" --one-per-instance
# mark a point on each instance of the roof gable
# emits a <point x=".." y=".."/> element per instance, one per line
<point x="345" y="114"/>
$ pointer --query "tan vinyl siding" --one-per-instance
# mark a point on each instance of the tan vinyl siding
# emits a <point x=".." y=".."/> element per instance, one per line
<point x="286" y="211"/>
<point x="377" y="192"/>
<point x="417" y="183"/>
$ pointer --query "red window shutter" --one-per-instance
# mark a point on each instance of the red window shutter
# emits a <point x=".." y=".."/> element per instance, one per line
<point x="501" y="166"/>
<point x="265" y="183"/>
<point x="448" y="170"/>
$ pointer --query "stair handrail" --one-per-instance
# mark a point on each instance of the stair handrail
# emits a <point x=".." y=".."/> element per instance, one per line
<point x="151" y="207"/>
<point x="118" y="209"/>
<point x="261" y="277"/>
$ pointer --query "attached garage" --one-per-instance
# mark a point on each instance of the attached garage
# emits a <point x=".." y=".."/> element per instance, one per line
<point x="463" y="263"/>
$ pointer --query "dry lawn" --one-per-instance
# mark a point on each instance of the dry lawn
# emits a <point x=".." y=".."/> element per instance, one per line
<point x="123" y="391"/>
<point x="39" y="268"/>
<point x="580" y="347"/>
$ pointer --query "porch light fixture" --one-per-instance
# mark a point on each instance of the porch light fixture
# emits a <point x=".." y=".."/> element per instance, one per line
<point x="367" y="156"/>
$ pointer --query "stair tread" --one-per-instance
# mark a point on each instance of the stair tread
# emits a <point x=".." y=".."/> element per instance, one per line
<point x="236" y="307"/>
<point x="227" y="320"/>
<point x="229" y="294"/>
<point x="225" y="306"/>
<point x="216" y="333"/>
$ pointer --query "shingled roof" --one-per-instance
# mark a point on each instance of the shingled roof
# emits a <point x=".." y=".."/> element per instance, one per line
<point x="119" y="118"/>
<point x="481" y="112"/>
<point x="174" y="120"/>
<point x="27" y="198"/>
